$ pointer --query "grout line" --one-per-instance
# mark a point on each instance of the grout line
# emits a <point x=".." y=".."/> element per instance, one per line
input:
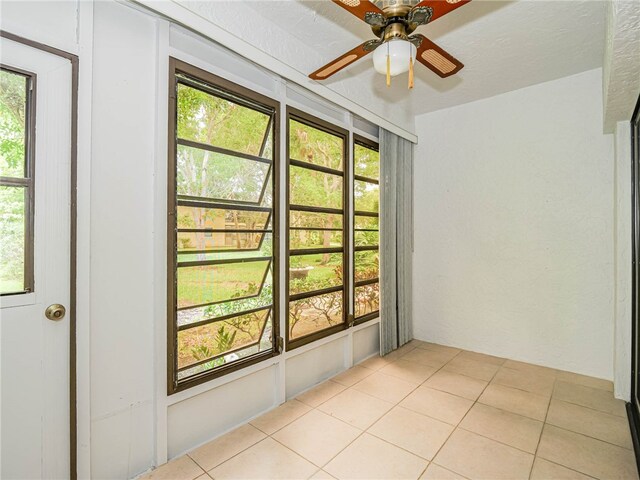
<point x="589" y="436"/>
<point x="568" y="468"/>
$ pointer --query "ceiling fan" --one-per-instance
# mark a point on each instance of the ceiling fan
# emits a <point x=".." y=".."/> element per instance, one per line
<point x="395" y="50"/>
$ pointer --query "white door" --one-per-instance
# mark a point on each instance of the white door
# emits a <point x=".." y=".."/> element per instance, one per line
<point x="35" y="165"/>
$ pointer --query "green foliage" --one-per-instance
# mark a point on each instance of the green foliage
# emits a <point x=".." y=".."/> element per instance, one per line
<point x="13" y="100"/>
<point x="225" y="339"/>
<point x="366" y="162"/>
<point x="12" y="164"/>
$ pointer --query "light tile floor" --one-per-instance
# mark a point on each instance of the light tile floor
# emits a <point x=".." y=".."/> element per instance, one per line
<point x="427" y="411"/>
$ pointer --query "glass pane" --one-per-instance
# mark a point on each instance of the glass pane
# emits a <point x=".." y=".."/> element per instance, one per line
<point x="366" y="238"/>
<point x="221" y="218"/>
<point x="265" y="344"/>
<point x="312" y="314"/>
<point x="314" y="239"/>
<point x="366" y="223"/>
<point x="366" y="162"/>
<point x="308" y="144"/>
<point x="267" y="194"/>
<point x="314" y="272"/>
<point x="198" y="314"/>
<point x="12" y="239"/>
<point x="314" y="220"/>
<point x="202" y="173"/>
<point x="219" y="242"/>
<point x="214" y="339"/>
<point x="367" y="265"/>
<point x="219" y="283"/>
<point x="316" y="189"/>
<point x="367" y="299"/>
<point x="13" y="108"/>
<point x="264" y="250"/>
<point x="366" y="196"/>
<point x="214" y="121"/>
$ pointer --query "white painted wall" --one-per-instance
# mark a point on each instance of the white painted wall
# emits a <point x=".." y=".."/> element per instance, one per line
<point x="514" y="226"/>
<point x="134" y="424"/>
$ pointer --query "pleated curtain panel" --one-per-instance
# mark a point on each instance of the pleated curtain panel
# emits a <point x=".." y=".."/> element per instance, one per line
<point x="396" y="249"/>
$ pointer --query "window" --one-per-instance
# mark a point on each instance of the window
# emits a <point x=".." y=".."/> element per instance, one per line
<point x="17" y="127"/>
<point x="221" y="217"/>
<point x="317" y="224"/>
<point x="366" y="229"/>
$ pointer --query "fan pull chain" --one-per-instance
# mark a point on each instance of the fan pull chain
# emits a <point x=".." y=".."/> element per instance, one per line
<point x="410" y="72"/>
<point x="388" y="70"/>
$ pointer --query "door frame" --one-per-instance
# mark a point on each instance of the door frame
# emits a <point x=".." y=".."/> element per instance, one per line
<point x="633" y="412"/>
<point x="74" y="60"/>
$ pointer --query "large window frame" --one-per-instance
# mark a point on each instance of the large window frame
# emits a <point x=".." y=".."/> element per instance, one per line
<point x="294" y="114"/>
<point x="371" y="145"/>
<point x="201" y="79"/>
<point x="27" y="181"/>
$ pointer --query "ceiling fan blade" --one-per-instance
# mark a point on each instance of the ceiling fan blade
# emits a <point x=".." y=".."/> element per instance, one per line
<point x="360" y="8"/>
<point x="344" y="60"/>
<point x="441" y="7"/>
<point x="436" y="59"/>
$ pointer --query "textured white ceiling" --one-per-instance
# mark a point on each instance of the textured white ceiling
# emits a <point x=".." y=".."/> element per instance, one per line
<point x="505" y="45"/>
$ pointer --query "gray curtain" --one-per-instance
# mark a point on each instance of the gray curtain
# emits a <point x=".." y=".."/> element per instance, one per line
<point x="396" y="227"/>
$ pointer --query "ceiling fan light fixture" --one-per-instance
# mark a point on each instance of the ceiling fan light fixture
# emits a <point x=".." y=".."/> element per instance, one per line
<point x="401" y="54"/>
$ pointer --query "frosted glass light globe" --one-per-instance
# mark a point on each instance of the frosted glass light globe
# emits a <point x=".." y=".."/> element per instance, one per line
<point x="399" y="50"/>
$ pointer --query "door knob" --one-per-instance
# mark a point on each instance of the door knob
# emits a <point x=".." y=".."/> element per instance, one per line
<point x="55" y="312"/>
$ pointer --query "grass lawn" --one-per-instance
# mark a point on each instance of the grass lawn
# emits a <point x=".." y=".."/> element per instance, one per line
<point x="214" y="283"/>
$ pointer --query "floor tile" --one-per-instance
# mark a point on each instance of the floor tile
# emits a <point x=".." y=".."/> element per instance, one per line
<point x="385" y="387"/>
<point x="371" y="458"/>
<point x="475" y="456"/>
<point x="545" y="470"/>
<point x="515" y="401"/>
<point x="530" y="368"/>
<point x="584" y="380"/>
<point x="482" y="357"/>
<point x="427" y="357"/>
<point x="356" y="408"/>
<point x="504" y="427"/>
<point x="352" y="376"/>
<point x="204" y="476"/>
<point x="436" y="404"/>
<point x="182" y="468"/>
<point x="434" y="347"/>
<point x="436" y="472"/>
<point x="221" y="449"/>
<point x="412" y="431"/>
<point x="586" y="455"/>
<point x="409" y="371"/>
<point x="316" y="436"/>
<point x="265" y="460"/>
<point x="603" y="426"/>
<point x="375" y="363"/>
<point x="322" y="475"/>
<point x="406" y="348"/>
<point x="321" y="393"/>
<point x="530" y="382"/>
<point x="472" y="368"/>
<point x="461" y="385"/>
<point x="281" y="416"/>
<point x="595" y="398"/>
